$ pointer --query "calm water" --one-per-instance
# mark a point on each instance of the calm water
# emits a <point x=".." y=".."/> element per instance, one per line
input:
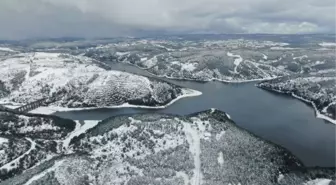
<point x="277" y="118"/>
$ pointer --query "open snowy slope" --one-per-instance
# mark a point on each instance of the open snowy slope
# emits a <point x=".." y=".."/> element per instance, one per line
<point x="77" y="82"/>
<point x="202" y="148"/>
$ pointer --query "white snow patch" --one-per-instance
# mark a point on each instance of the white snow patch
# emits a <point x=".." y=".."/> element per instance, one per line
<point x="47" y="110"/>
<point x="134" y="121"/>
<point x="328" y="44"/>
<point x="121" y="53"/>
<point x="150" y="63"/>
<point x="280" y="177"/>
<point x="237" y="61"/>
<point x="193" y="138"/>
<point x="143" y="59"/>
<point x="220" y="158"/>
<point x="6" y="49"/>
<point x="188" y="66"/>
<point x="283" y="48"/>
<point x="265" y="57"/>
<point x="319" y="62"/>
<point x="175" y="63"/>
<point x="318" y="182"/>
<point x="227" y="115"/>
<point x="300" y="57"/>
<point x="219" y="135"/>
<point x="12" y="105"/>
<point x="37" y="128"/>
<point x="3" y="140"/>
<point x="80" y="129"/>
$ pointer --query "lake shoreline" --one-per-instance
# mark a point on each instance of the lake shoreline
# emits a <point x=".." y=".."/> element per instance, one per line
<point x="318" y="114"/>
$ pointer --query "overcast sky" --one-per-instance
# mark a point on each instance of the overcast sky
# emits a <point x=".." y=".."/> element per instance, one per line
<point x="108" y="18"/>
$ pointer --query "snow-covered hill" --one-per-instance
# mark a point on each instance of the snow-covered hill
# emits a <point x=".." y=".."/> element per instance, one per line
<point x="191" y="60"/>
<point x="202" y="148"/>
<point x="26" y="141"/>
<point x="77" y="82"/>
<point x="224" y="60"/>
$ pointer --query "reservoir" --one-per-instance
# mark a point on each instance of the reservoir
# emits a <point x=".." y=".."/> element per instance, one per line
<point x="278" y="118"/>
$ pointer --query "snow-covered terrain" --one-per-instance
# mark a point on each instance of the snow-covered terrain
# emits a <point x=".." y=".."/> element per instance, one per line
<point x="29" y="140"/>
<point x="34" y="126"/>
<point x="202" y="61"/>
<point x="230" y="60"/>
<point x="328" y="44"/>
<point x="79" y="82"/>
<point x="5" y="49"/>
<point x="318" y="90"/>
<point x="202" y="148"/>
<point x="52" y="109"/>
<point x="37" y="148"/>
<point x="80" y="129"/>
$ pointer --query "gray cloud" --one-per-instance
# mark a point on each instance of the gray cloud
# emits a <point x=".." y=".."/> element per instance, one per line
<point x="102" y="18"/>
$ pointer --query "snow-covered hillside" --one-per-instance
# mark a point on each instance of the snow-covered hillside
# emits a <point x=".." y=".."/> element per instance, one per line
<point x="201" y="61"/>
<point x="202" y="148"/>
<point x="77" y="82"/>
<point x="26" y="141"/>
<point x="224" y="60"/>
